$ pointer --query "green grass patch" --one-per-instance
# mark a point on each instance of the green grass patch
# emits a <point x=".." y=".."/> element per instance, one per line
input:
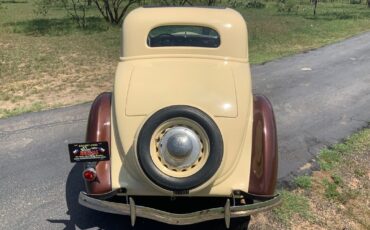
<point x="331" y="189"/>
<point x="274" y="34"/>
<point x="336" y="191"/>
<point x="337" y="179"/>
<point x="330" y="157"/>
<point x="293" y="204"/>
<point x="37" y="106"/>
<point x="303" y="182"/>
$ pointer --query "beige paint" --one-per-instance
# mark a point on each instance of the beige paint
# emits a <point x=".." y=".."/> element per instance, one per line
<point x="216" y="81"/>
<point x="227" y="22"/>
<point x="214" y="88"/>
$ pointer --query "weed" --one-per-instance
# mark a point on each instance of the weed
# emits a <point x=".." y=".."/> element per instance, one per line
<point x="331" y="191"/>
<point x="341" y="147"/>
<point x="303" y="182"/>
<point x="337" y="179"/>
<point x="292" y="204"/>
<point x="328" y="158"/>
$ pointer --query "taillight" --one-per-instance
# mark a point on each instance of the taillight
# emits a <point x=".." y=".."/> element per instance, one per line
<point x="89" y="174"/>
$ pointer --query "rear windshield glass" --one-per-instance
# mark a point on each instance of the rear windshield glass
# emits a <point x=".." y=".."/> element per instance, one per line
<point x="198" y="36"/>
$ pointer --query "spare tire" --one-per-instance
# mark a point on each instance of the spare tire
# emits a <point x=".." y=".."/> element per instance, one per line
<point x="155" y="160"/>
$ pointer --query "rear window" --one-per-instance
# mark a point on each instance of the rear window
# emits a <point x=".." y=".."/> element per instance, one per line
<point x="175" y="35"/>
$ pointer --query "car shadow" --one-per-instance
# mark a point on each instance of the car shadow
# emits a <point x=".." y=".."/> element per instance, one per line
<point x="85" y="218"/>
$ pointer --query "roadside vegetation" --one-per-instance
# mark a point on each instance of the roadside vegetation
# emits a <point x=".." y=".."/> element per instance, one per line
<point x="335" y="197"/>
<point x="50" y="59"/>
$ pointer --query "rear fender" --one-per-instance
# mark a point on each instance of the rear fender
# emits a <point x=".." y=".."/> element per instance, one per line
<point x="99" y="129"/>
<point x="264" y="163"/>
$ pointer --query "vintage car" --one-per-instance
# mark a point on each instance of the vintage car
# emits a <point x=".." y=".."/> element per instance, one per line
<point x="181" y="139"/>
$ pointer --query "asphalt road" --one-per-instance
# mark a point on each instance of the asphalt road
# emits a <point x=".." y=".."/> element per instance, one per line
<point x="319" y="97"/>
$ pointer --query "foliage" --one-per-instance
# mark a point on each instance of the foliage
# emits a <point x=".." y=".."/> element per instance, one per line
<point x="354" y="1"/>
<point x="337" y="179"/>
<point x="75" y="9"/>
<point x="303" y="182"/>
<point x="41" y="7"/>
<point x="331" y="191"/>
<point x="314" y="3"/>
<point x="113" y="11"/>
<point x="292" y="204"/>
<point x="257" y="4"/>
<point x="328" y="158"/>
<point x="181" y="2"/>
<point x="287" y="6"/>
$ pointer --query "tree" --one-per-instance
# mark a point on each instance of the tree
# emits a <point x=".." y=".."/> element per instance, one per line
<point x="314" y="6"/>
<point x="76" y="9"/>
<point x="211" y="2"/>
<point x="183" y="2"/>
<point x="114" y="10"/>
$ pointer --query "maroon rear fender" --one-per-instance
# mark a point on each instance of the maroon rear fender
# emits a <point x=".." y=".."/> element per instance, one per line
<point x="99" y="129"/>
<point x="264" y="163"/>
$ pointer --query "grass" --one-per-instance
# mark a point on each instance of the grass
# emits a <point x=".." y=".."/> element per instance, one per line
<point x="273" y="35"/>
<point x="331" y="198"/>
<point x="331" y="189"/>
<point x="303" y="182"/>
<point x="37" y="106"/>
<point x="330" y="157"/>
<point x="293" y="204"/>
<point x="50" y="60"/>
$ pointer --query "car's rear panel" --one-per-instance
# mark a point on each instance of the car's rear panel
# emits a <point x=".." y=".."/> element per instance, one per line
<point x="232" y="113"/>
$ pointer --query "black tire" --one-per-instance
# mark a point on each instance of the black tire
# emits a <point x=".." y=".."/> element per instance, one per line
<point x="186" y="183"/>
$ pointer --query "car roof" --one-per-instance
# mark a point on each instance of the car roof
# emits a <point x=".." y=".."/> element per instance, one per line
<point x="227" y="22"/>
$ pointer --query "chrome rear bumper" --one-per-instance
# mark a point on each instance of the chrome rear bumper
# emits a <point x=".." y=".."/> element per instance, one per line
<point x="131" y="209"/>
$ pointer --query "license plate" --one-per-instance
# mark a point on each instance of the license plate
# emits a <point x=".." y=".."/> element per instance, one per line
<point x="87" y="152"/>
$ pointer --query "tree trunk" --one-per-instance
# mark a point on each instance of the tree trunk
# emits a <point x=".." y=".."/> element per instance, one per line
<point x="368" y="3"/>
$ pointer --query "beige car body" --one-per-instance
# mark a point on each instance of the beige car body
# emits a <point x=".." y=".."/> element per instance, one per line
<point x="215" y="80"/>
<point x="185" y="91"/>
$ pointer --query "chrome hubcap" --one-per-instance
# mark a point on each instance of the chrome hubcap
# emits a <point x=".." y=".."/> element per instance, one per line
<point x="180" y="147"/>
